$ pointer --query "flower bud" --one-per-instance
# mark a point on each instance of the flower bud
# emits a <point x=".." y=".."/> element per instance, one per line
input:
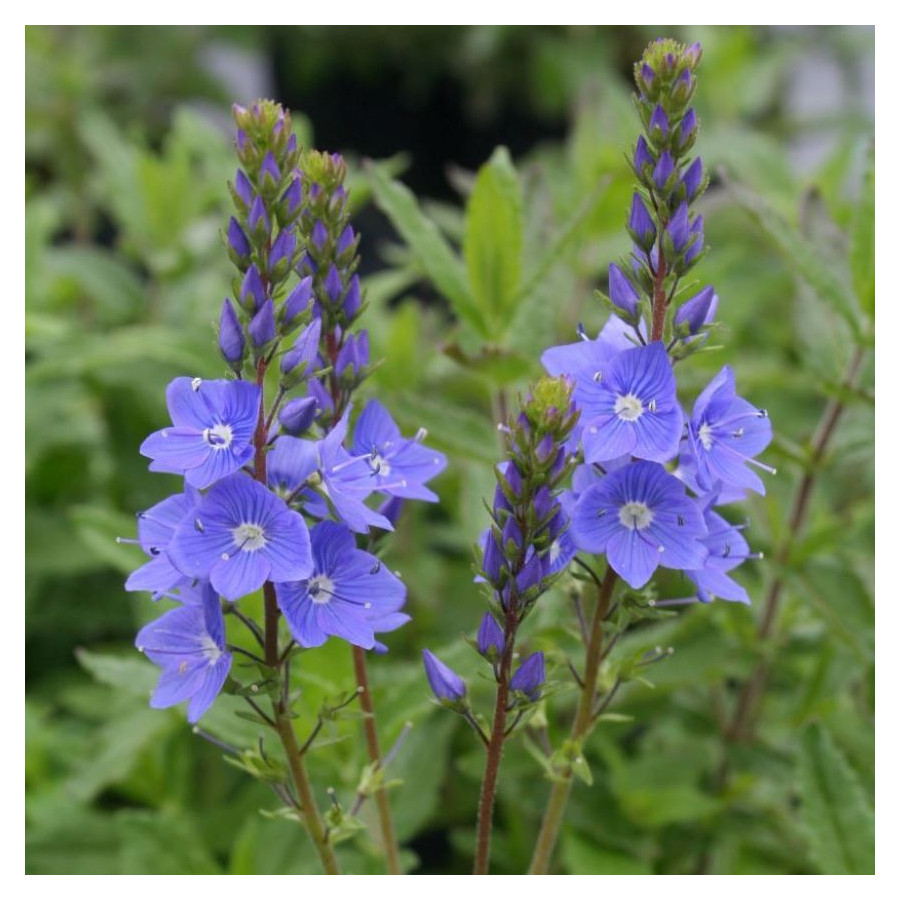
<point x="643" y="158"/>
<point x="253" y="293"/>
<point x="446" y="685"/>
<point x="622" y="292"/>
<point x="658" y="126"/>
<point x="640" y="225"/>
<point x="257" y="219"/>
<point x="354" y="355"/>
<point x="231" y="335"/>
<point x="297" y="415"/>
<point x="490" y="640"/>
<point x="297" y="301"/>
<point x="700" y="310"/>
<point x="529" y="677"/>
<point x="663" y="171"/>
<point x="693" y="180"/>
<point x="304" y="352"/>
<point x="243" y="188"/>
<point x="262" y="325"/>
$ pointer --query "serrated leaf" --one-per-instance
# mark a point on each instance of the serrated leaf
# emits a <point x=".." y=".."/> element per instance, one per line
<point x="839" y="819"/>
<point x="492" y="246"/>
<point x="428" y="245"/>
<point x="862" y="239"/>
<point x="802" y="257"/>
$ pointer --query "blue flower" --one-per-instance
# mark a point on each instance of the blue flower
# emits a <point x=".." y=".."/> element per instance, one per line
<point x="631" y="408"/>
<point x="529" y="677"/>
<point x="446" y="685"/>
<point x="725" y="432"/>
<point x="188" y="643"/>
<point x="727" y="550"/>
<point x="399" y="466"/>
<point x="155" y="529"/>
<point x="641" y="518"/>
<point x="239" y="536"/>
<point x="349" y="593"/>
<point x="213" y="428"/>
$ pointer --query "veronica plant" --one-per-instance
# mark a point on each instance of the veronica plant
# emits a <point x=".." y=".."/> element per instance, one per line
<point x="647" y="476"/>
<point x="277" y="494"/>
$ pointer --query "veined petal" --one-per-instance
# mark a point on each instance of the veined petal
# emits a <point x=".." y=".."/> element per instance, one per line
<point x="242" y="573"/>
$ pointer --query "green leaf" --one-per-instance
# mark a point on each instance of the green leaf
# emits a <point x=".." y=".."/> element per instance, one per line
<point x="839" y="819"/>
<point x="584" y="857"/>
<point x="802" y="257"/>
<point x="862" y="239"/>
<point x="428" y="245"/>
<point x="493" y="239"/>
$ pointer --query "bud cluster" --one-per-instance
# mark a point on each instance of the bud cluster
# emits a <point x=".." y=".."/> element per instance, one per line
<point x="262" y="239"/>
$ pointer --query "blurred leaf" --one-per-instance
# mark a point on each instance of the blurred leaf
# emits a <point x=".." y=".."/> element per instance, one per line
<point x="132" y="674"/>
<point x="585" y="857"/>
<point x="493" y="238"/>
<point x="862" y="239"/>
<point x="433" y="253"/>
<point x="818" y="272"/>
<point x="839" y="819"/>
<point x="98" y="528"/>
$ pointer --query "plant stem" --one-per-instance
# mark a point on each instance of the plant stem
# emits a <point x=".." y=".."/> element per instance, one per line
<point x="495" y="749"/>
<point x="741" y="726"/>
<point x="389" y="839"/>
<point x="284" y="725"/>
<point x="581" y="726"/>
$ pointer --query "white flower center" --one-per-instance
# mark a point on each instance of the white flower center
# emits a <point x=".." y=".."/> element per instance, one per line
<point x="218" y="437"/>
<point x="249" y="537"/>
<point x="380" y="466"/>
<point x="209" y="649"/>
<point x="705" y="435"/>
<point x="320" y="589"/>
<point x="635" y="516"/>
<point x="628" y="407"/>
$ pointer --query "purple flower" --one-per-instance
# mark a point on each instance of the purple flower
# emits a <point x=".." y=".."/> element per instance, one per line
<point x="678" y="228"/>
<point x="529" y="677"/>
<point x="642" y="156"/>
<point x="269" y="169"/>
<point x="632" y="408"/>
<point x="659" y="124"/>
<point x="213" y="428"/>
<point x="239" y="536"/>
<point x="344" y="478"/>
<point x="398" y="466"/>
<point x="687" y="130"/>
<point x="231" y="335"/>
<point x="693" y="179"/>
<point x="243" y="188"/>
<point x="282" y="248"/>
<point x="262" y="325"/>
<point x="297" y="415"/>
<point x="298" y="300"/>
<point x="349" y="593"/>
<point x="188" y="643"/>
<point x="663" y="170"/>
<point x="237" y="240"/>
<point x="155" y="529"/>
<point x="640" y="224"/>
<point x="700" y="310"/>
<point x="253" y="294"/>
<point x="490" y="640"/>
<point x="353" y="298"/>
<point x="641" y="518"/>
<point x="257" y="217"/>
<point x="725" y="432"/>
<point x="727" y="550"/>
<point x="696" y="247"/>
<point x="292" y="197"/>
<point x="303" y="355"/>
<point x="622" y="292"/>
<point x="446" y="685"/>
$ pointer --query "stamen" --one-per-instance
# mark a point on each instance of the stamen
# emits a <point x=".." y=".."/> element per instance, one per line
<point x="598" y="376"/>
<point x="195" y="384"/>
<point x="581" y="332"/>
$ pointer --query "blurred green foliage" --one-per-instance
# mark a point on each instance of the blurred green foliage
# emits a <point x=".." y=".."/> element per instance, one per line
<point x="125" y="196"/>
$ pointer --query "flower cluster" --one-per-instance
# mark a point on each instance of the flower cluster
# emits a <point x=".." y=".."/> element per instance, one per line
<point x="275" y="492"/>
<point x="527" y="544"/>
<point x="651" y="472"/>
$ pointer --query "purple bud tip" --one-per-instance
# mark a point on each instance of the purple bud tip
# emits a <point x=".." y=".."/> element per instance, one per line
<point x="305" y="349"/>
<point x="352" y="300"/>
<point x="231" y="335"/>
<point x="621" y="291"/>
<point x="345" y="241"/>
<point x="293" y="196"/>
<point x="257" y="214"/>
<point x="354" y="354"/>
<point x="640" y="222"/>
<point x="319" y="235"/>
<point x="262" y="325"/>
<point x="696" y="235"/>
<point x="292" y="144"/>
<point x="333" y="285"/>
<point x="269" y="168"/>
<point x="529" y="677"/>
<point x="693" y="178"/>
<point x="664" y="169"/>
<point x="297" y="415"/>
<point x="659" y="120"/>
<point x="642" y="155"/>
<point x="237" y="240"/>
<point x="700" y="310"/>
<point x="490" y="640"/>
<point x="252" y="291"/>
<point x="283" y="248"/>
<point x="678" y="228"/>
<point x="243" y="188"/>
<point x="298" y="300"/>
<point x="445" y="684"/>
<point x="688" y="127"/>
<point x="647" y="74"/>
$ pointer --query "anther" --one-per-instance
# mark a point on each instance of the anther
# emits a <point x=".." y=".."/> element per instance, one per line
<point x="598" y="376"/>
<point x="195" y="383"/>
<point x="651" y="406"/>
<point x="581" y="332"/>
<point x="198" y="525"/>
<point x="421" y="434"/>
<point x="376" y="568"/>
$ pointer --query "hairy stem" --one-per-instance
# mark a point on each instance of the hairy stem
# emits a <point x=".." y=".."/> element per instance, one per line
<point x="741" y="726"/>
<point x="581" y="726"/>
<point x="391" y="850"/>
<point x="495" y="749"/>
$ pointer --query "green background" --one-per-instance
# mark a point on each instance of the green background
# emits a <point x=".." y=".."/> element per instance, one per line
<point x="128" y="150"/>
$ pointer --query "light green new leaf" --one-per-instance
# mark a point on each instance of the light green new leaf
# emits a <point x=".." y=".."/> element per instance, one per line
<point x="802" y="257"/>
<point x="428" y="245"/>
<point x="838" y="817"/>
<point x="862" y="240"/>
<point x="493" y="240"/>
